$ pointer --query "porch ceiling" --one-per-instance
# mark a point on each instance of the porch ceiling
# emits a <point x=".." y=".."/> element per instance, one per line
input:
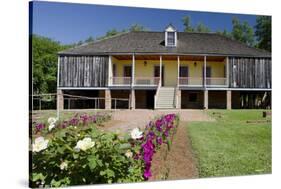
<point x="169" y="57"/>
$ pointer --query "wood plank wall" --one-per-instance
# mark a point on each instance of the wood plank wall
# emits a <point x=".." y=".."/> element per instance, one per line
<point x="250" y="72"/>
<point x="83" y="71"/>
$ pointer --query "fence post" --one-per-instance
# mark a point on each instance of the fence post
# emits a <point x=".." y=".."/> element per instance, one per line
<point x="68" y="103"/>
<point x="39" y="103"/>
<point x="115" y="103"/>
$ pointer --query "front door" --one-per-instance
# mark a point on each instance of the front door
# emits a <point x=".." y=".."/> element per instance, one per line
<point x="184" y="74"/>
<point x="127" y="74"/>
<point x="157" y="73"/>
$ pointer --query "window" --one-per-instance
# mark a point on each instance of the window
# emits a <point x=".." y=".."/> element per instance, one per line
<point x="127" y="71"/>
<point x="170" y="38"/>
<point x="114" y="70"/>
<point x="183" y="71"/>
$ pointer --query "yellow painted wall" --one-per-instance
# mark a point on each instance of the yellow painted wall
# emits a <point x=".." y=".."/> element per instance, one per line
<point x="170" y="69"/>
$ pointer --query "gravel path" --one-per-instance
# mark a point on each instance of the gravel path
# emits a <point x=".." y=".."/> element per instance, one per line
<point x="125" y="120"/>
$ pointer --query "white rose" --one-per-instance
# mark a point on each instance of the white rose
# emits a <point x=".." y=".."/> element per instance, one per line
<point x="52" y="120"/>
<point x="63" y="165"/>
<point x="129" y="154"/>
<point x="39" y="144"/>
<point x="51" y="126"/>
<point x="84" y="144"/>
<point x="136" y="133"/>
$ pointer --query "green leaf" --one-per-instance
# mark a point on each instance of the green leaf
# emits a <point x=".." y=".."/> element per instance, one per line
<point x="92" y="162"/>
<point x="37" y="176"/>
<point x="125" y="146"/>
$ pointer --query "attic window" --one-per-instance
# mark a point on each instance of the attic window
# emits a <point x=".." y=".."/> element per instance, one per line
<point x="171" y="39"/>
<point x="170" y="36"/>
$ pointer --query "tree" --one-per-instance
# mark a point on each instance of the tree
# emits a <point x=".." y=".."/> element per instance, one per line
<point x="187" y="24"/>
<point x="224" y="33"/>
<point x="44" y="64"/>
<point x="137" y="27"/>
<point x="263" y="32"/>
<point x="202" y="28"/>
<point x="109" y="33"/>
<point x="242" y="32"/>
<point x="89" y="39"/>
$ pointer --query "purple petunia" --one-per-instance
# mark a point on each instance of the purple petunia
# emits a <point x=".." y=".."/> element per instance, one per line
<point x="39" y="127"/>
<point x="74" y="121"/>
<point x="159" y="140"/>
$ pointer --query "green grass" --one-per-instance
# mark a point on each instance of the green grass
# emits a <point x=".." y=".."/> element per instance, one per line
<point x="42" y="116"/>
<point x="230" y="146"/>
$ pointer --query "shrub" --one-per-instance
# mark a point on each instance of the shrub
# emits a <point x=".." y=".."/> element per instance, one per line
<point x="75" y="152"/>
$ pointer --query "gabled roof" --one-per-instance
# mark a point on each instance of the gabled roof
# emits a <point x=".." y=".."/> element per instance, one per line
<point x="153" y="42"/>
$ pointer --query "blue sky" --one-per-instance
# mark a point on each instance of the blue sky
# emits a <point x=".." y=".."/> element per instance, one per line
<point x="69" y="22"/>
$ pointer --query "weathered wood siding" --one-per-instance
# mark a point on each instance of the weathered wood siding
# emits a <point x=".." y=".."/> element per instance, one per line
<point x="83" y="71"/>
<point x="250" y="72"/>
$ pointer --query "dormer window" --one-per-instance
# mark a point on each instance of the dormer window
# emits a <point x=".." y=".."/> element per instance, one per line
<point x="170" y="36"/>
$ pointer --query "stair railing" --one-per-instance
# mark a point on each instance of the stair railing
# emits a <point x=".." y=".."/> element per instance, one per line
<point x="176" y="98"/>
<point x="156" y="95"/>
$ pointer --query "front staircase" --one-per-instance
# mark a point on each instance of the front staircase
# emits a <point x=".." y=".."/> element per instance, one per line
<point x="165" y="98"/>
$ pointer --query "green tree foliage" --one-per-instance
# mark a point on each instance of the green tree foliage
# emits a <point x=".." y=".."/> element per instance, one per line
<point x="89" y="39"/>
<point x="263" y="32"/>
<point x="137" y="27"/>
<point x="109" y="33"/>
<point x="202" y="28"/>
<point x="224" y="33"/>
<point x="44" y="64"/>
<point x="187" y="24"/>
<point x="242" y="32"/>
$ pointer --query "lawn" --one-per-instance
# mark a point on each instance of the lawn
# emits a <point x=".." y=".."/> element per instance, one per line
<point x="230" y="146"/>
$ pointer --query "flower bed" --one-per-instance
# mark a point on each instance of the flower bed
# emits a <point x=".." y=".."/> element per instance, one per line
<point x="75" y="152"/>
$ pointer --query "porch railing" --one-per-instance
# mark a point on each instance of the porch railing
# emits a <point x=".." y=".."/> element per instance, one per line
<point x="122" y="81"/>
<point x="199" y="81"/>
<point x="216" y="81"/>
<point x="147" y="81"/>
<point x="191" y="81"/>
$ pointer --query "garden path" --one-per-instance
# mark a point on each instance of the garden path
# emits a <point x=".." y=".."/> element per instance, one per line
<point x="126" y="120"/>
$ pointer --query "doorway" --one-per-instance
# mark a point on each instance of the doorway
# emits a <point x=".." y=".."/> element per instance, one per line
<point x="157" y="73"/>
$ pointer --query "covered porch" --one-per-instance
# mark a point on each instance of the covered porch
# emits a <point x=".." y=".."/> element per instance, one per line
<point x="144" y="70"/>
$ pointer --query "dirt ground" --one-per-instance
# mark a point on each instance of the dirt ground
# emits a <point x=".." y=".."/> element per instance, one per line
<point x="125" y="120"/>
<point x="178" y="163"/>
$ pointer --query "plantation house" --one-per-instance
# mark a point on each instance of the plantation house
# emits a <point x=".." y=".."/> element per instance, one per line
<point x="166" y="69"/>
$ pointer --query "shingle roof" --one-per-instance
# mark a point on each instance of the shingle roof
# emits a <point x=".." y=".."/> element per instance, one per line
<point x="153" y="42"/>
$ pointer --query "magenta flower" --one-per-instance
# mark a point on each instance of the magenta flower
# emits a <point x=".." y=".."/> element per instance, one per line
<point x="74" y="121"/>
<point x="159" y="140"/>
<point x="147" y="174"/>
<point x="39" y="127"/>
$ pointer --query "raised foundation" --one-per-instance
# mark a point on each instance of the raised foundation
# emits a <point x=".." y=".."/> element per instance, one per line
<point x="228" y="100"/>
<point x="206" y="99"/>
<point x="132" y="99"/>
<point x="60" y="100"/>
<point x="107" y="99"/>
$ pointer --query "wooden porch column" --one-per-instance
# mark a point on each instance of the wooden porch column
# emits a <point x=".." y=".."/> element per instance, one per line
<point x="178" y="70"/>
<point x="110" y="70"/>
<point x="133" y="69"/>
<point x="160" y="70"/>
<point x="204" y="67"/>
<point x="178" y="105"/>
<point x="133" y="99"/>
<point x="107" y="94"/>
<point x="228" y="99"/>
<point x="227" y="71"/>
<point x="206" y="99"/>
